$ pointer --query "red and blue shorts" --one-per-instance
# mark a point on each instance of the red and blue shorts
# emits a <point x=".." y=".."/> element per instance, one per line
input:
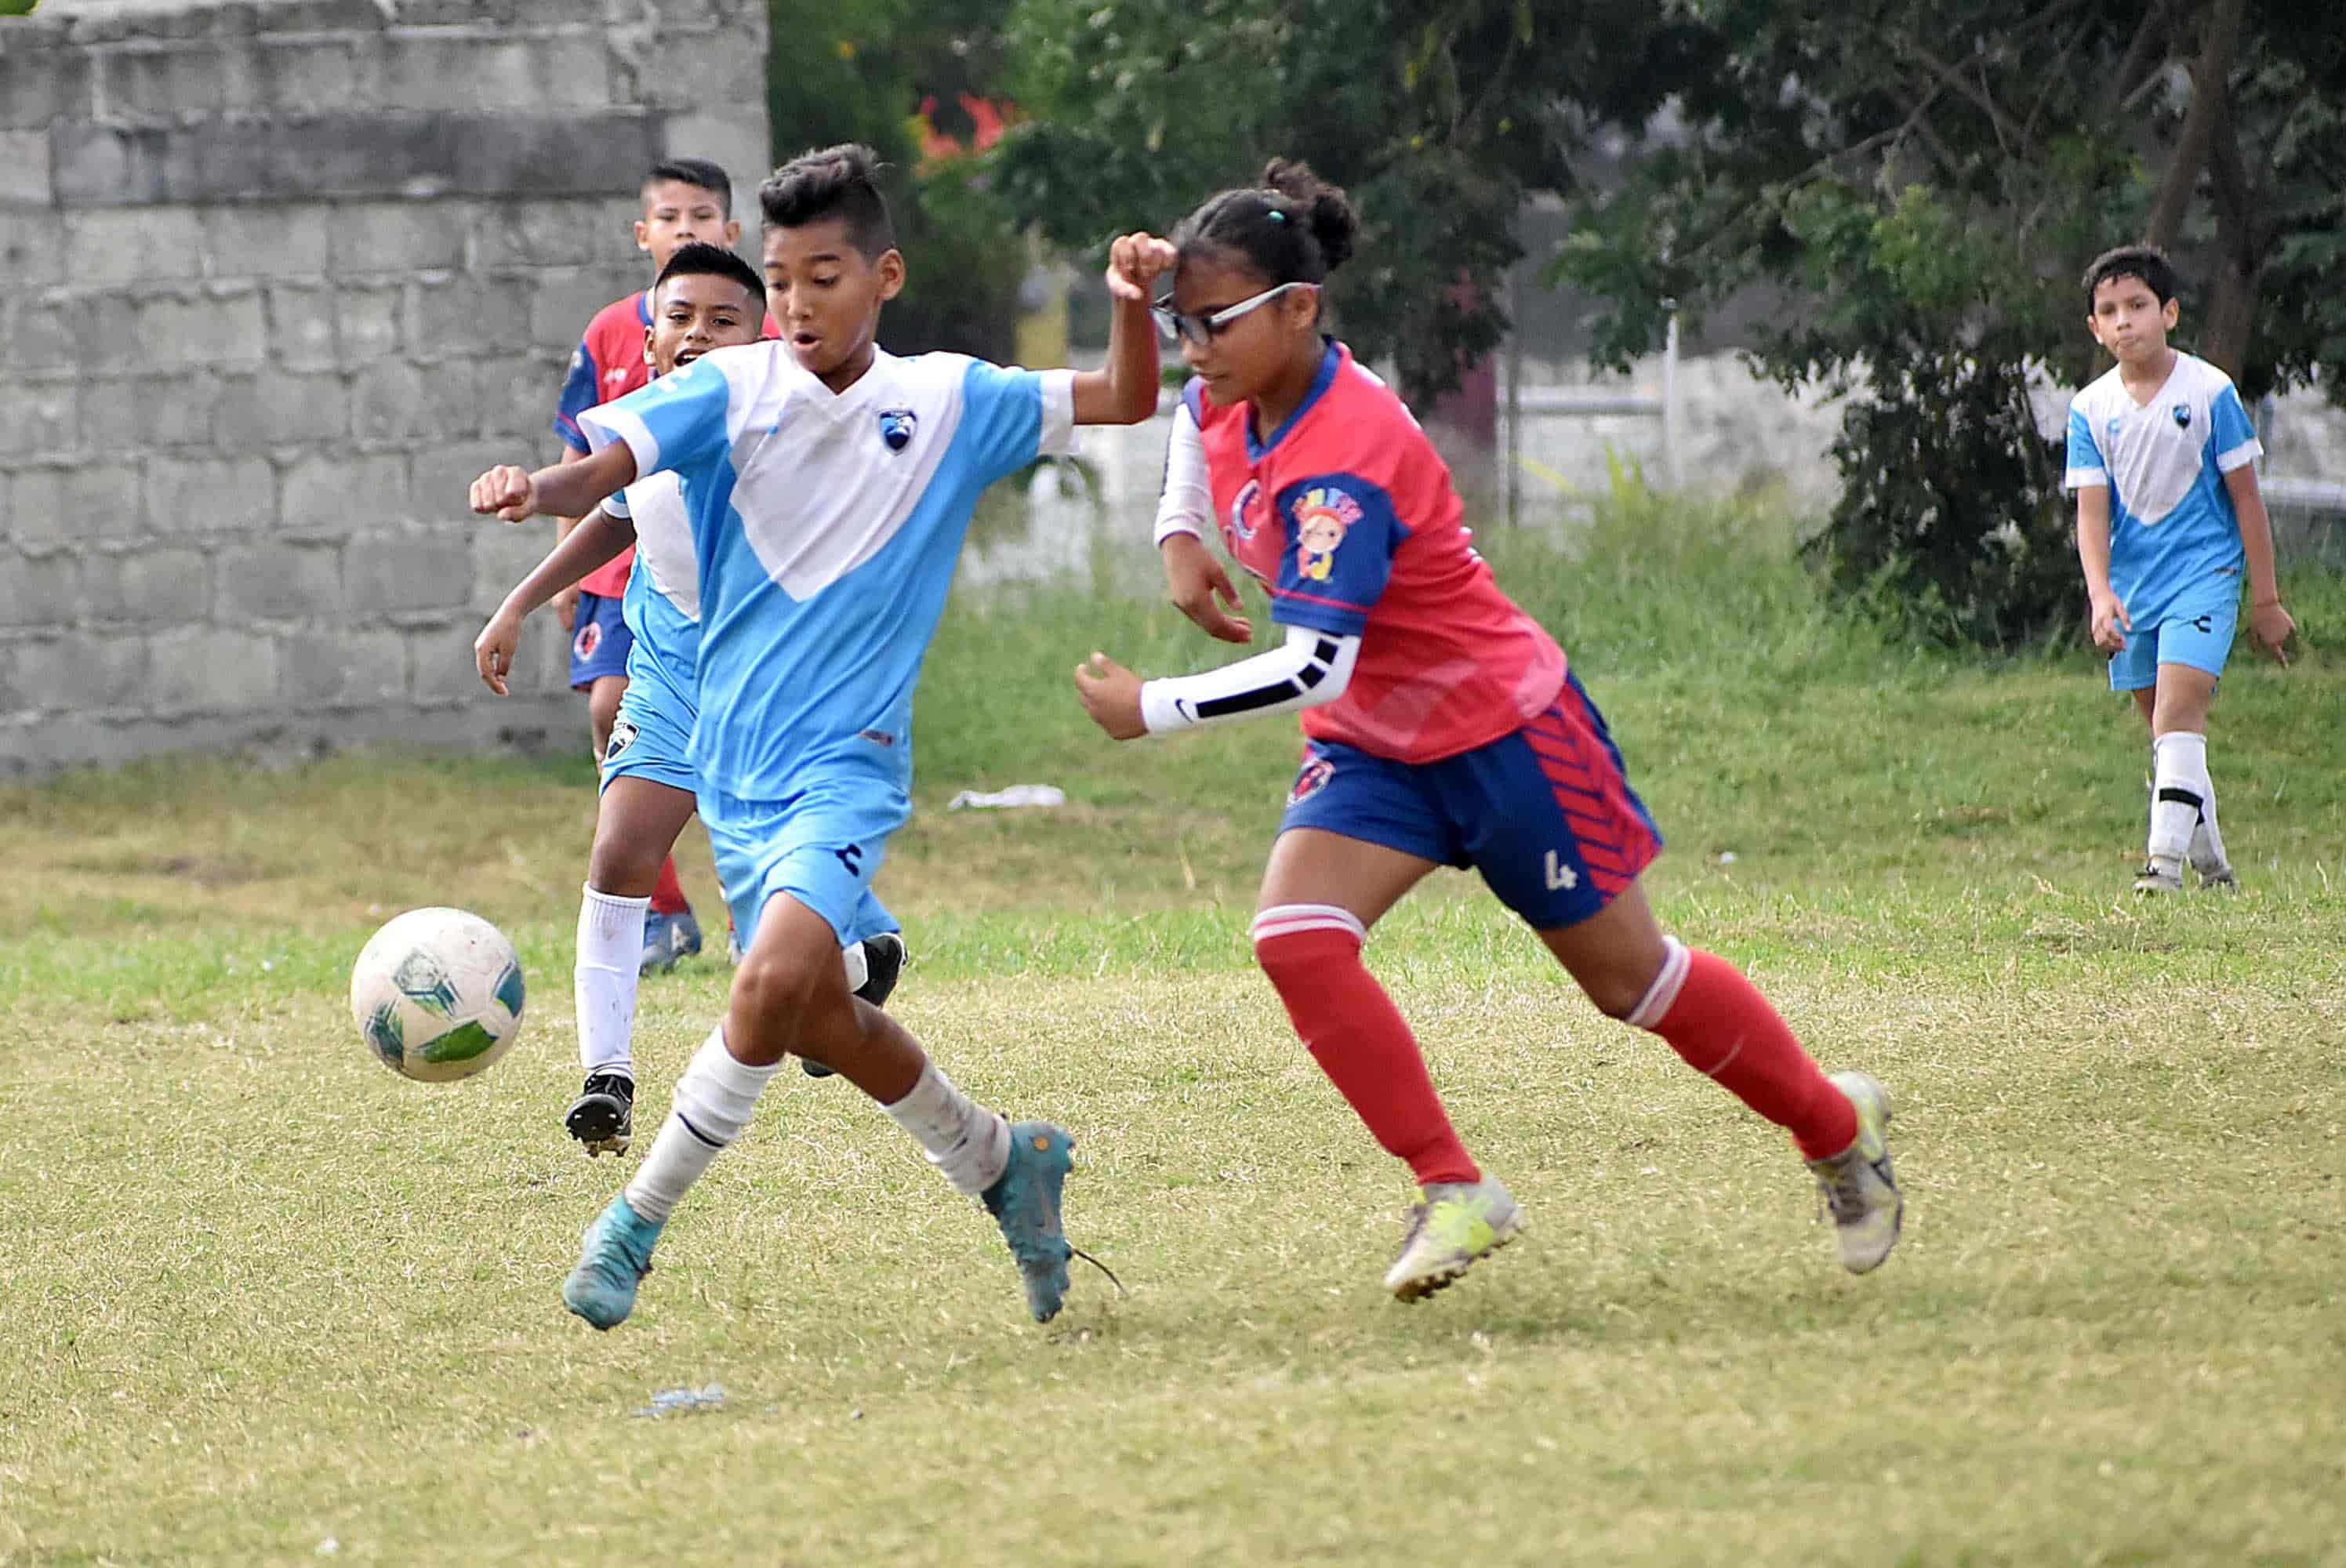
<point x="1545" y="814"/>
<point x="599" y="641"/>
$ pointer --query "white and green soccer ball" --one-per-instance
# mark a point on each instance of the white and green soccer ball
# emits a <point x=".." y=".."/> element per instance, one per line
<point x="437" y="994"/>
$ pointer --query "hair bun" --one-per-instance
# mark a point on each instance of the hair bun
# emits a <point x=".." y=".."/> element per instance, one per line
<point x="1331" y="217"/>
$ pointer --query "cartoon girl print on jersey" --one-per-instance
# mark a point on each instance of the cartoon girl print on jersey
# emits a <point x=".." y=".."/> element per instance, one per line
<point x="1322" y="515"/>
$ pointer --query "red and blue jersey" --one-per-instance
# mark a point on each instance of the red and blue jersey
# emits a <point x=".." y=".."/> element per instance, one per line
<point x="608" y="365"/>
<point x="1347" y="515"/>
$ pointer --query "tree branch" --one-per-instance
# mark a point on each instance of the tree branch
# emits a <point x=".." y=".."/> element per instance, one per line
<point x="2007" y="133"/>
<point x="2211" y="87"/>
<point x="2143" y="55"/>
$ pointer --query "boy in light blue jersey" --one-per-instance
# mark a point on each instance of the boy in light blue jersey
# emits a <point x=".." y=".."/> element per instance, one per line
<point x="2162" y="457"/>
<point x="829" y="486"/>
<point x="706" y="297"/>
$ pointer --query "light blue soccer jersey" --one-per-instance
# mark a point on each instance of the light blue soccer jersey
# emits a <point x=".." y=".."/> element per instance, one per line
<point x="825" y="529"/>
<point x="2172" y="524"/>
<point x="662" y="607"/>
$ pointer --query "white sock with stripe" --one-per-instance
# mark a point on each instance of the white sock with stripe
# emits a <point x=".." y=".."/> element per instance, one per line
<point x="2179" y="791"/>
<point x="714" y="1100"/>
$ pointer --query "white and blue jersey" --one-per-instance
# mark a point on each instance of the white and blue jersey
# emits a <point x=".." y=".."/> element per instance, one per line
<point x="2174" y="535"/>
<point x="826" y="528"/>
<point x="651" y="737"/>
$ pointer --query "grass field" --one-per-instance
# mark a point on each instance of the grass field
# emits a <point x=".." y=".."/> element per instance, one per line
<point x="262" y="1302"/>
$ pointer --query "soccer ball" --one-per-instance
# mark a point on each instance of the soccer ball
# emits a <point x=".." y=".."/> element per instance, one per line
<point x="437" y="994"/>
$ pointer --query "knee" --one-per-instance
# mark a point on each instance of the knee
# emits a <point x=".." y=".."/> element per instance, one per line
<point x="788" y="988"/>
<point x="622" y="870"/>
<point x="1621" y="985"/>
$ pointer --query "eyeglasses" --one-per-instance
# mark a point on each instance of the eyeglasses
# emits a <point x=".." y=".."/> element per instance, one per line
<point x="1203" y="330"/>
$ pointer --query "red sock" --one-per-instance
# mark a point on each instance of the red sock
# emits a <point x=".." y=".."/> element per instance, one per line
<point x="1312" y="954"/>
<point x="668" y="898"/>
<point x="1718" y="1021"/>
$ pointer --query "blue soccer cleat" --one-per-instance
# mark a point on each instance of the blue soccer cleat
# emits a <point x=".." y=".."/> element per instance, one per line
<point x="668" y="939"/>
<point x="1025" y="1201"/>
<point x="617" y="1255"/>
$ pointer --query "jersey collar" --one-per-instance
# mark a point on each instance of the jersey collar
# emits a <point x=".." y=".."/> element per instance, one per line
<point x="1331" y="360"/>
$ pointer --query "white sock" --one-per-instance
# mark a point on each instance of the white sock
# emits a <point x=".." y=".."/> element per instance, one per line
<point x="610" y="956"/>
<point x="859" y="967"/>
<point x="2206" y="839"/>
<point x="2178" y="791"/>
<point x="968" y="1143"/>
<point x="714" y="1099"/>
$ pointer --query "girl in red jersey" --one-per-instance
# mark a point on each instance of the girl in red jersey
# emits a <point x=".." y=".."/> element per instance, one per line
<point x="1443" y="728"/>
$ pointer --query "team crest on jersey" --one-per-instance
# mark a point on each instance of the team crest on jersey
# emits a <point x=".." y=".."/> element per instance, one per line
<point x="2182" y="412"/>
<point x="1311" y="780"/>
<point x="1322" y="515"/>
<point x="896" y="427"/>
<point x="1246" y="509"/>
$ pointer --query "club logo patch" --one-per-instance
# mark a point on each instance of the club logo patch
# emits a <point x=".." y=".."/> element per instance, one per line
<point x="2182" y="412"/>
<point x="1323" y="513"/>
<point x="1311" y="780"/>
<point x="896" y="427"/>
<point x="589" y="639"/>
<point x="623" y="734"/>
<point x="1246" y="512"/>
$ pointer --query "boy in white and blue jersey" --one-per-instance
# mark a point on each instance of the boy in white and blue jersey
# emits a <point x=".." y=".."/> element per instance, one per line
<point x="706" y="297"/>
<point x="829" y="486"/>
<point x="2162" y="457"/>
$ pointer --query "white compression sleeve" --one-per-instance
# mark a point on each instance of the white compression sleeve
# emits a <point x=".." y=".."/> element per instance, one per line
<point x="1186" y="505"/>
<point x="1313" y="667"/>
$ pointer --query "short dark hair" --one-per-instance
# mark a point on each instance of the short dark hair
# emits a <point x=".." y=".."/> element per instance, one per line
<point x="841" y="183"/>
<point x="1291" y="226"/>
<point x="698" y="172"/>
<point x="712" y="261"/>
<point x="2147" y="262"/>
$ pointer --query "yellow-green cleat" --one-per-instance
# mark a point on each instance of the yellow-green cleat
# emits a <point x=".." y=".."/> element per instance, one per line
<point x="1456" y="1223"/>
<point x="1857" y="1183"/>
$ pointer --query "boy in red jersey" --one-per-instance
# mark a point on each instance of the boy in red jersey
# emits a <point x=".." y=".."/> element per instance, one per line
<point x="685" y="200"/>
<point x="1444" y="729"/>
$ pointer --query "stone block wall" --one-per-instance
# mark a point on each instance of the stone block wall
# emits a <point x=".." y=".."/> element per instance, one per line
<point x="277" y="279"/>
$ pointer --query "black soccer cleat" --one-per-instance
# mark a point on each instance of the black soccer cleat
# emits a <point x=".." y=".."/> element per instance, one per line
<point x="883" y="965"/>
<point x="602" y="1118"/>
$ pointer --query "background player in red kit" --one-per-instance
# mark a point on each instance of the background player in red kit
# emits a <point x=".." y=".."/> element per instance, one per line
<point x="1444" y="729"/>
<point x="685" y="200"/>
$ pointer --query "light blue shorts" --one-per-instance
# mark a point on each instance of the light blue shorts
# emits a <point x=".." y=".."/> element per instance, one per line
<point x="653" y="728"/>
<point x="821" y="845"/>
<point x="2195" y="629"/>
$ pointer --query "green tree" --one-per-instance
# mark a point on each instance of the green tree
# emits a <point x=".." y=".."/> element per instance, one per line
<point x="861" y="70"/>
<point x="1440" y="120"/>
<point x="1922" y="182"/>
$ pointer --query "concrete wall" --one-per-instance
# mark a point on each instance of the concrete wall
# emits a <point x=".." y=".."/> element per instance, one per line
<point x="277" y="278"/>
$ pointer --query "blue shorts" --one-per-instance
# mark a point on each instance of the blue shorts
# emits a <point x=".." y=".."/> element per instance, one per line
<point x="1545" y="813"/>
<point x="653" y="728"/>
<point x="821" y="845"/>
<point x="599" y="641"/>
<point x="2195" y="629"/>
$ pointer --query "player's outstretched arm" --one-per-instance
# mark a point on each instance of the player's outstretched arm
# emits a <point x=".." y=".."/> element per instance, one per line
<point x="1313" y="667"/>
<point x="1124" y="390"/>
<point x="566" y="489"/>
<point x="599" y="539"/>
<point x="2269" y="623"/>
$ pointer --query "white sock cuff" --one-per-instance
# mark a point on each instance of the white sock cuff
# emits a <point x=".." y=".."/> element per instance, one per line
<point x="858" y="967"/>
<point x="2181" y="755"/>
<point x="1663" y="995"/>
<point x="1286" y="920"/>
<point x="606" y="917"/>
